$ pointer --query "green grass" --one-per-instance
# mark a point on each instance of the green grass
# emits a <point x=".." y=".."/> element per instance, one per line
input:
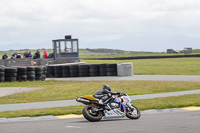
<point x="63" y="90"/>
<point x="129" y="55"/>
<point x="167" y="66"/>
<point x="158" y="103"/>
<point x="168" y="102"/>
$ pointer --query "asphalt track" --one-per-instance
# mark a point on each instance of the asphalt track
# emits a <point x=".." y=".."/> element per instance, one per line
<point x="176" y="122"/>
<point x="134" y="77"/>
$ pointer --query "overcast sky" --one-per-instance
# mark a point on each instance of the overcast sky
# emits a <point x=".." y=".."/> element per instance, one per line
<point x="137" y="25"/>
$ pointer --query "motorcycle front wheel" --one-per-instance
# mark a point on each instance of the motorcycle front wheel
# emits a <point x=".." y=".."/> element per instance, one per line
<point x="134" y="113"/>
<point x="90" y="113"/>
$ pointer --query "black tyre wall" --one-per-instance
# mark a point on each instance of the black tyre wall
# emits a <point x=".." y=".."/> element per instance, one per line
<point x="74" y="71"/>
<point x="38" y="69"/>
<point x="50" y="72"/>
<point x="30" y="68"/>
<point x="22" y="74"/>
<point x="94" y="70"/>
<point x="10" y="79"/>
<point x="10" y="70"/>
<point x="58" y="71"/>
<point x="111" y="73"/>
<point x="84" y="74"/>
<point x="2" y="74"/>
<point x="22" y="78"/>
<point x="2" y="69"/>
<point x="2" y="79"/>
<point x="30" y="73"/>
<point x="66" y="71"/>
<point x="111" y="69"/>
<point x="10" y="74"/>
<point x="21" y="69"/>
<point x="84" y="70"/>
<point x="102" y="69"/>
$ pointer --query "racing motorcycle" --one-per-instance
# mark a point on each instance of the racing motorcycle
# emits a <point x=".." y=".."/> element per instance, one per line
<point x="114" y="107"/>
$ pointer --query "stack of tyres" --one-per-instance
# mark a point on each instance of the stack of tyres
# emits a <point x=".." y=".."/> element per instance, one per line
<point x="10" y="74"/>
<point x="2" y="74"/>
<point x="65" y="71"/>
<point x="58" y="71"/>
<point x="21" y="74"/>
<point x="111" y="69"/>
<point x="74" y="71"/>
<point x="38" y="73"/>
<point x="30" y="73"/>
<point x="84" y="70"/>
<point x="50" y="71"/>
<point x="94" y="70"/>
<point x="103" y="69"/>
<point x="44" y="72"/>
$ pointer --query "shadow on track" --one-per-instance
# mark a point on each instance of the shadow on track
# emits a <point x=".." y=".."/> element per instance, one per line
<point x="103" y="120"/>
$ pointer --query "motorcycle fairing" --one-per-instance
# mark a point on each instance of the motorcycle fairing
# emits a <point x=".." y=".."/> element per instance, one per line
<point x="121" y="105"/>
<point x="89" y="97"/>
<point x="114" y="113"/>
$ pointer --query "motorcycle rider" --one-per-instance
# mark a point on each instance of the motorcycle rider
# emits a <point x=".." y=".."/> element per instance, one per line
<point x="105" y="93"/>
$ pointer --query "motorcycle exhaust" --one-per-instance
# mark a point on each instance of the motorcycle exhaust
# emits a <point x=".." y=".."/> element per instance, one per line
<point x="82" y="100"/>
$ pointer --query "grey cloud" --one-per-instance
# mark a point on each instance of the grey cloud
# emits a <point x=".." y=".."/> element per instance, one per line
<point x="100" y="23"/>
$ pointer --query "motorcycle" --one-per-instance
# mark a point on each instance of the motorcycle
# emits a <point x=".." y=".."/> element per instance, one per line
<point x="114" y="107"/>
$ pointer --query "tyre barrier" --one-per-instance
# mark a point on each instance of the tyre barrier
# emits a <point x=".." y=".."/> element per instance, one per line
<point x="10" y="74"/>
<point x="103" y="69"/>
<point x="74" y="70"/>
<point x="58" y="71"/>
<point x="44" y="72"/>
<point x="50" y="71"/>
<point x="94" y="70"/>
<point x="21" y="74"/>
<point x="82" y="70"/>
<point x="65" y="71"/>
<point x="30" y="73"/>
<point x="2" y="74"/>
<point x="38" y="73"/>
<point x="111" y="69"/>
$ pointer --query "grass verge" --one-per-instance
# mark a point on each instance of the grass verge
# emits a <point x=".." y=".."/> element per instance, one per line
<point x="63" y="90"/>
<point x="157" y="103"/>
<point x="167" y="66"/>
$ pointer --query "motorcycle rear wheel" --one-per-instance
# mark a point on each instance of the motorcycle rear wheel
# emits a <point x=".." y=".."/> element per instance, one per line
<point x="90" y="115"/>
<point x="135" y="114"/>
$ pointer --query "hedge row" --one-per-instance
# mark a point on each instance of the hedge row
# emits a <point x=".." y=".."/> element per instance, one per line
<point x="144" y="57"/>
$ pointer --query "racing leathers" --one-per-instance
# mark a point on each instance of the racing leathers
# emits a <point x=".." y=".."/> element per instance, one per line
<point x="104" y="94"/>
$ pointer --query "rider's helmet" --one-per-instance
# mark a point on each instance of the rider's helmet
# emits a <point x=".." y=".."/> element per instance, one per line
<point x="106" y="87"/>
